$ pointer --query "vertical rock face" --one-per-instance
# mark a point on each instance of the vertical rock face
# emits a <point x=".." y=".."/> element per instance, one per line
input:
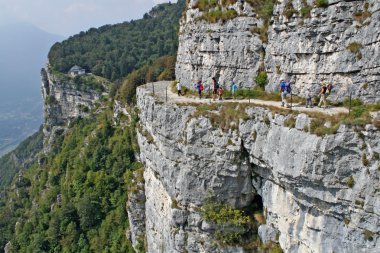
<point x="338" y="43"/>
<point x="63" y="103"/>
<point x="317" y="193"/>
<point x="186" y="161"/>
<point x="136" y="211"/>
<point x="228" y="51"/>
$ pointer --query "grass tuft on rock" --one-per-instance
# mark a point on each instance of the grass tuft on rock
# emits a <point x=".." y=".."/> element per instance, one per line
<point x="351" y="182"/>
<point x="322" y="3"/>
<point x="264" y="10"/>
<point x="355" y="47"/>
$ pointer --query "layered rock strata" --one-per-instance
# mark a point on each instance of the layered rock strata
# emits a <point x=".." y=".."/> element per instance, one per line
<point x="228" y="51"/>
<point x="64" y="102"/>
<point x="319" y="193"/>
<point x="338" y="44"/>
<point x="306" y="44"/>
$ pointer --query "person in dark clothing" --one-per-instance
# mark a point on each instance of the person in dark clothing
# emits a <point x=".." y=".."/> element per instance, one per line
<point x="215" y="87"/>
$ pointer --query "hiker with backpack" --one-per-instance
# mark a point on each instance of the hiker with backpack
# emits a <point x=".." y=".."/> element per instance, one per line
<point x="179" y="89"/>
<point x="233" y="89"/>
<point x="322" y="94"/>
<point x="215" y="87"/>
<point x="285" y="89"/>
<point x="199" y="88"/>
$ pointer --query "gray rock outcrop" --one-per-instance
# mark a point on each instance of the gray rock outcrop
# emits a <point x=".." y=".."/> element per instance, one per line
<point x="63" y="102"/>
<point x="228" y="51"/>
<point x="338" y="43"/>
<point x="318" y="193"/>
<point x="136" y="211"/>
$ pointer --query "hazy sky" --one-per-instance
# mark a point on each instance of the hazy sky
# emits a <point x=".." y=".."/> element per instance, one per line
<point x="69" y="17"/>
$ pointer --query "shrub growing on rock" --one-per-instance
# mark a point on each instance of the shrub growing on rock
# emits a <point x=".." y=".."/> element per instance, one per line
<point x="322" y="3"/>
<point x="262" y="79"/>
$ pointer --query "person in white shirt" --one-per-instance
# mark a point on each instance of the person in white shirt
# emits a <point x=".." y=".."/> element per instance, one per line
<point x="308" y="96"/>
<point x="179" y="89"/>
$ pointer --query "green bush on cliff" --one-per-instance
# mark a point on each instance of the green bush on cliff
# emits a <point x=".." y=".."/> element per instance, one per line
<point x="355" y="48"/>
<point x="305" y="10"/>
<point x="232" y="224"/>
<point x="289" y="10"/>
<point x="236" y="227"/>
<point x="262" y="79"/>
<point x="264" y="10"/>
<point x="322" y="3"/>
<point x="214" y="10"/>
<point x="206" y="5"/>
<point x="222" y="214"/>
<point x="214" y="16"/>
<point x="161" y="69"/>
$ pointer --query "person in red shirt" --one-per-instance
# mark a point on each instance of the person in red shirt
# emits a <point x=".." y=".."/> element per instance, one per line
<point x="220" y="91"/>
<point x="199" y="88"/>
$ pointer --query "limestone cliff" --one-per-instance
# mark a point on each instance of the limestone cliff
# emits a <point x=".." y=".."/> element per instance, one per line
<point x="64" y="101"/>
<point x="306" y="44"/>
<point x="319" y="193"/>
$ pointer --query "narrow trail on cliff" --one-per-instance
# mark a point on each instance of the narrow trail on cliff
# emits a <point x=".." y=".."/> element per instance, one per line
<point x="162" y="90"/>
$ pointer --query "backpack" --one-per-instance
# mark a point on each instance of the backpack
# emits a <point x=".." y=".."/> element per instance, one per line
<point x="329" y="88"/>
<point x="201" y="87"/>
<point x="288" y="89"/>
<point x="217" y="85"/>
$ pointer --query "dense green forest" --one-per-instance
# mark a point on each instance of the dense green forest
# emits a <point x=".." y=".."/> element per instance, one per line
<point x="113" y="51"/>
<point x="22" y="157"/>
<point x="75" y="201"/>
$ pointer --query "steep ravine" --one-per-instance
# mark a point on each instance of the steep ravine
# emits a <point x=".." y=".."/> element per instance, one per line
<point x="317" y="194"/>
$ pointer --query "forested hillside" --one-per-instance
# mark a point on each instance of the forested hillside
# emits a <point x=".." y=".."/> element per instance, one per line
<point x="113" y="51"/>
<point x="75" y="201"/>
<point x="22" y="157"/>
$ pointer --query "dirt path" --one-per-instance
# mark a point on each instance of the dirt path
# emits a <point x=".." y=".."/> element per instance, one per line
<point x="163" y="89"/>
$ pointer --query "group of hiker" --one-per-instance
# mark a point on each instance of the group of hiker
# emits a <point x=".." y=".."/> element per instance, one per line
<point x="215" y="88"/>
<point x="285" y="90"/>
